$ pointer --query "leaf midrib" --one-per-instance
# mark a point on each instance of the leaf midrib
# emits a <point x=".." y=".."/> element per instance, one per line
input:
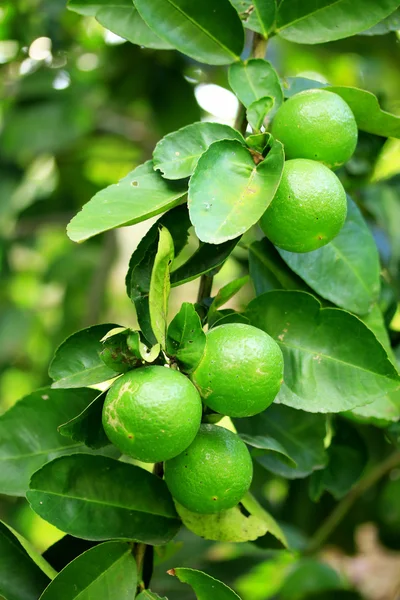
<point x="308" y="15"/>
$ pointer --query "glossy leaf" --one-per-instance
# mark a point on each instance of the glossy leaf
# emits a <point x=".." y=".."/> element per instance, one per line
<point x="264" y="444"/>
<point x="391" y="23"/>
<point x="104" y="572"/>
<point x="65" y="550"/>
<point x="98" y="498"/>
<point x="255" y="79"/>
<point x="258" y="110"/>
<point x="89" y="8"/>
<point x="333" y="362"/>
<point x="300" y="434"/>
<point x="257" y="15"/>
<point x="87" y="427"/>
<point x="204" y="586"/>
<point x="196" y="29"/>
<point x="255" y="509"/>
<point x="29" y="436"/>
<point x="77" y="361"/>
<point x="223" y="296"/>
<point x="346" y="271"/>
<point x="228" y="193"/>
<point x="176" y="155"/>
<point x="140" y="195"/>
<point x="160" y="286"/>
<point x="149" y="595"/>
<point x="186" y="339"/>
<point x="310" y="22"/>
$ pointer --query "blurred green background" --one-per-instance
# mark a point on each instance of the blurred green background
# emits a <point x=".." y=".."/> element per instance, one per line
<point x="80" y="109"/>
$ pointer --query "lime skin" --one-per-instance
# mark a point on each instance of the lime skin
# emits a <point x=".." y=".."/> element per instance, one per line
<point x="241" y="370"/>
<point x="212" y="474"/>
<point x="318" y="125"/>
<point x="309" y="208"/>
<point x="152" y="413"/>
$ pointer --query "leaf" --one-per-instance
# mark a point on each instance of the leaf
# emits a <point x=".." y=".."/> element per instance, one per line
<point x="89" y="8"/>
<point x="295" y="85"/>
<point x="388" y="162"/>
<point x="160" y="286"/>
<point x="186" y="339"/>
<point x="258" y="110"/>
<point x="257" y="15"/>
<point x="97" y="498"/>
<point x="391" y="23"/>
<point x="176" y="155"/>
<point x="333" y="362"/>
<point x="381" y="412"/>
<point x="255" y="79"/>
<point x="149" y="595"/>
<point x="300" y="434"/>
<point x="255" y="509"/>
<point x="204" y="586"/>
<point x="104" y="572"/>
<point x="140" y="195"/>
<point x="65" y="550"/>
<point x="33" y="554"/>
<point x="77" y="361"/>
<point x="265" y="444"/>
<point x="29" y="436"/>
<point x="223" y="296"/>
<point x="228" y="193"/>
<point x="346" y="271"/>
<point x="87" y="427"/>
<point x="20" y="577"/>
<point x="307" y="577"/>
<point x="231" y="317"/>
<point x="317" y="22"/>
<point x="197" y="33"/>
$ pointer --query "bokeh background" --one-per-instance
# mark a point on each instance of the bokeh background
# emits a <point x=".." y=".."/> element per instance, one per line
<point x="80" y="109"/>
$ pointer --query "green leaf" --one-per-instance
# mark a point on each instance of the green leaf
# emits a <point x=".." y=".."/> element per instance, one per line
<point x="89" y="8"/>
<point x="186" y="339"/>
<point x="97" y="498"/>
<point x="257" y="15"/>
<point x="333" y="362"/>
<point x="231" y="317"/>
<point x="37" y="558"/>
<point x="160" y="286"/>
<point x="204" y="586"/>
<point x="309" y="576"/>
<point x="140" y="195"/>
<point x="317" y="22"/>
<point x="255" y="509"/>
<point x="345" y="271"/>
<point x="176" y="155"/>
<point x="104" y="572"/>
<point x="391" y="23"/>
<point x="255" y="79"/>
<point x="381" y="412"/>
<point x="87" y="427"/>
<point x="20" y="577"/>
<point x="77" y="361"/>
<point x="265" y="444"/>
<point x="149" y="595"/>
<point x="300" y="434"/>
<point x="223" y="296"/>
<point x="228" y="193"/>
<point x="368" y="114"/>
<point x="196" y="30"/>
<point x="295" y="85"/>
<point x="258" y="110"/>
<point x="29" y="436"/>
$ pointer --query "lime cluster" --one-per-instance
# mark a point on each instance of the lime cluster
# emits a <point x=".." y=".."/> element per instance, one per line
<point x="319" y="133"/>
<point x="153" y="414"/>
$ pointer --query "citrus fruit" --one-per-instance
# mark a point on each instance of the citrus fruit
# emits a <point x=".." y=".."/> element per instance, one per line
<point x="213" y="473"/>
<point x="152" y="413"/>
<point x="316" y="124"/>
<point x="309" y="207"/>
<point x="241" y="370"/>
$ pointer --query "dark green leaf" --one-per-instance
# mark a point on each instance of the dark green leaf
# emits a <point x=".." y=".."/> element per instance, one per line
<point x="333" y="362"/>
<point x="255" y="79"/>
<point x="295" y="85"/>
<point x="309" y="576"/>
<point x="137" y="197"/>
<point x="98" y="498"/>
<point x="160" y="286"/>
<point x="258" y="110"/>
<point x="228" y="193"/>
<point x="257" y="15"/>
<point x="231" y="317"/>
<point x="87" y="427"/>
<point x="65" y="550"/>
<point x="77" y="361"/>
<point x="126" y="22"/>
<point x="176" y="155"/>
<point x="204" y="586"/>
<point x="105" y="572"/>
<point x="186" y="339"/>
<point x="224" y="294"/>
<point x="89" y="8"/>
<point x="196" y="30"/>
<point x="116" y="353"/>
<point x="265" y="444"/>
<point x="29" y="436"/>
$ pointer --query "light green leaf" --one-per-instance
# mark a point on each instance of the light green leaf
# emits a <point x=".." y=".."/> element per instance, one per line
<point x="37" y="558"/>
<point x="258" y="110"/>
<point x="89" y="8"/>
<point x="228" y="193"/>
<point x="160" y="286"/>
<point x="149" y="595"/>
<point x="255" y="79"/>
<point x="256" y="510"/>
<point x="265" y="444"/>
<point x="391" y="23"/>
<point x="105" y="572"/>
<point x="388" y="162"/>
<point x="224" y="294"/>
<point x="320" y="21"/>
<point x="204" y="586"/>
<point x="98" y="498"/>
<point x="176" y="155"/>
<point x="197" y="33"/>
<point x="257" y="15"/>
<point x="333" y="362"/>
<point x="137" y="197"/>
<point x="186" y="339"/>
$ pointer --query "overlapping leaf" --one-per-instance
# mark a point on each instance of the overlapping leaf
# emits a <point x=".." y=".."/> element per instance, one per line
<point x="255" y="79"/>
<point x="257" y="15"/>
<point x="186" y="339"/>
<point x="204" y="586"/>
<point x="160" y="286"/>
<point x="87" y="427"/>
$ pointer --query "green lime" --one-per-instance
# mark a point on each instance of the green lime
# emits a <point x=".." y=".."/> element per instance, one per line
<point x="316" y="124"/>
<point x="241" y="370"/>
<point x="309" y="207"/>
<point x="213" y="473"/>
<point x="152" y="413"/>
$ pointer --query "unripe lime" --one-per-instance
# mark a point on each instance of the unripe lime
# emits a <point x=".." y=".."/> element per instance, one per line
<point x="316" y="124"/>
<point x="152" y="413"/>
<point x="213" y="473"/>
<point x="241" y="370"/>
<point x="309" y="207"/>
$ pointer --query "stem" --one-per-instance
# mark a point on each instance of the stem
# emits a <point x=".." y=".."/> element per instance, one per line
<point x="205" y="287"/>
<point x="341" y="510"/>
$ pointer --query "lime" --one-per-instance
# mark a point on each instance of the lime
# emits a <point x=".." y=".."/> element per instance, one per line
<point x="213" y="473"/>
<point x="316" y="124"/>
<point x="152" y="413"/>
<point x="241" y="370"/>
<point x="309" y="207"/>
